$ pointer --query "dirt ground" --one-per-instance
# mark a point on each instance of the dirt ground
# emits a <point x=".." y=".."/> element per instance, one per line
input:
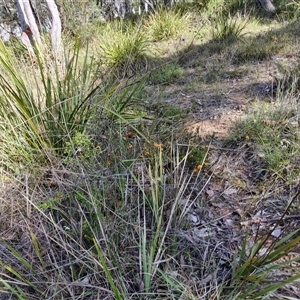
<point x="241" y="193"/>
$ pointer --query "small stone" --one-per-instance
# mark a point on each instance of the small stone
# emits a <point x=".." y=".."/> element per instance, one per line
<point x="193" y="218"/>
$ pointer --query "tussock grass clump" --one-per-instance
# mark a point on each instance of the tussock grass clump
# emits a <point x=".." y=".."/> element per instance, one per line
<point x="166" y="24"/>
<point x="229" y="28"/>
<point x="38" y="117"/>
<point x="125" y="49"/>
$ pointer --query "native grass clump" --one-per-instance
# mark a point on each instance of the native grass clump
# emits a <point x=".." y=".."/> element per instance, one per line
<point x="39" y="113"/>
<point x="166" y="24"/>
<point x="229" y="27"/>
<point x="125" y="49"/>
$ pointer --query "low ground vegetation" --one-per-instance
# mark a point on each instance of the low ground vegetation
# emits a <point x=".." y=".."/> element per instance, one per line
<point x="148" y="164"/>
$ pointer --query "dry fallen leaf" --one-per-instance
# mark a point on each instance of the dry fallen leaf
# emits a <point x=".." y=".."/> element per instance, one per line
<point x="276" y="232"/>
<point x="210" y="193"/>
<point x="230" y="191"/>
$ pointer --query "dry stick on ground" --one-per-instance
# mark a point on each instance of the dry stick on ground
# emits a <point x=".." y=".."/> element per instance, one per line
<point x="272" y="220"/>
<point x="275" y="220"/>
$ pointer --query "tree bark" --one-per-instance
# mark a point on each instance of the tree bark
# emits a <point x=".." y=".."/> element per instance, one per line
<point x="56" y="26"/>
<point x="267" y="5"/>
<point x="30" y="32"/>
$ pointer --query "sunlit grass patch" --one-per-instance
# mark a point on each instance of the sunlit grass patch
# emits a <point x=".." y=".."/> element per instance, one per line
<point x="166" y="74"/>
<point x="272" y="129"/>
<point x="166" y="24"/>
<point x="125" y="49"/>
<point x="230" y="28"/>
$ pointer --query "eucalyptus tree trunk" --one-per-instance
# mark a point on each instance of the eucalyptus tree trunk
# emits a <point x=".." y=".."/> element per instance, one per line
<point x="267" y="5"/>
<point x="56" y="26"/>
<point x="30" y="32"/>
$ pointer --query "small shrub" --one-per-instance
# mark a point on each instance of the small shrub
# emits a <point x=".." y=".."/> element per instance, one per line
<point x="197" y="158"/>
<point x="80" y="149"/>
<point x="172" y="113"/>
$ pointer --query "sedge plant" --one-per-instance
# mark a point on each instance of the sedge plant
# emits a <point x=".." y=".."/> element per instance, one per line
<point x="37" y="118"/>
